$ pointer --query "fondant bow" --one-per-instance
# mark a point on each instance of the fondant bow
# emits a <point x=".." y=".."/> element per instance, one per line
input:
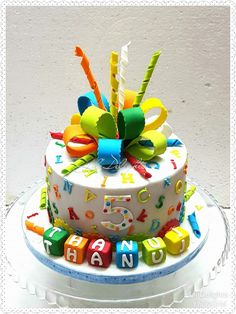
<point x="98" y="131"/>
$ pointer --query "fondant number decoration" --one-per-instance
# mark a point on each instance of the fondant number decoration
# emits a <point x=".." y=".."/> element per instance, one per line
<point x="126" y="213"/>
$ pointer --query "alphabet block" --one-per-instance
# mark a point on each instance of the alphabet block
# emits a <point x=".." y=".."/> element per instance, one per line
<point x="75" y="249"/>
<point x="153" y="251"/>
<point x="177" y="240"/>
<point x="99" y="253"/>
<point x="127" y="254"/>
<point x="54" y="239"/>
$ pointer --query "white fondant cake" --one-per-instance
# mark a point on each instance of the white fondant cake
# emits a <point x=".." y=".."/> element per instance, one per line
<point x="126" y="204"/>
<point x="116" y="183"/>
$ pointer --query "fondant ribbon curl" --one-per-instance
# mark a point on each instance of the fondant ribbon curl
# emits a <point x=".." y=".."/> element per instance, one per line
<point x="100" y="128"/>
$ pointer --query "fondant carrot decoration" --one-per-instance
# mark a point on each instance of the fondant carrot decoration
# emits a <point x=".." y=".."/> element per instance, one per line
<point x="93" y="84"/>
<point x="136" y="164"/>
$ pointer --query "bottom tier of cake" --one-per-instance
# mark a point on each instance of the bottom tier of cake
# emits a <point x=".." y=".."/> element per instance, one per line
<point x="39" y="223"/>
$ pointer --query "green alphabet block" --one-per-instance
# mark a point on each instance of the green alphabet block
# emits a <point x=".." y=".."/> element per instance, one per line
<point x="54" y="239"/>
<point x="153" y="251"/>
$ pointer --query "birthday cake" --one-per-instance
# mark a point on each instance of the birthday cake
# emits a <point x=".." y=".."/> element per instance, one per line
<point x="116" y="179"/>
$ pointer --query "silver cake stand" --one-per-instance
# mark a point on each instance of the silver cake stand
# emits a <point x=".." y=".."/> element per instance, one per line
<point x="64" y="291"/>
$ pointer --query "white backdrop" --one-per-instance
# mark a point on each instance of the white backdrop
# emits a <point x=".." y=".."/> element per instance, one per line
<point x="44" y="79"/>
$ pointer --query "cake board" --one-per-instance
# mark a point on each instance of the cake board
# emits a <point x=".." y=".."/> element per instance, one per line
<point x="70" y="292"/>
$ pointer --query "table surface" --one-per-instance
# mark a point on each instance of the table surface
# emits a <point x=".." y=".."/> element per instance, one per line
<point x="192" y="79"/>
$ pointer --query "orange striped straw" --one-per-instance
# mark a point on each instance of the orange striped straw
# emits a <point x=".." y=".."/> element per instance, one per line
<point x="93" y="84"/>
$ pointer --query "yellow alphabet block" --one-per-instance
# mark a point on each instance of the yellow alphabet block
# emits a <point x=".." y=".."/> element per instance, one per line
<point x="176" y="240"/>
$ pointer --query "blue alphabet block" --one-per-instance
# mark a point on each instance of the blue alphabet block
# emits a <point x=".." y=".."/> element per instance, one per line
<point x="126" y="254"/>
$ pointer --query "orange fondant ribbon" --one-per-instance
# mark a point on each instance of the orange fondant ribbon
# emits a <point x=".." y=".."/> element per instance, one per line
<point x="75" y="130"/>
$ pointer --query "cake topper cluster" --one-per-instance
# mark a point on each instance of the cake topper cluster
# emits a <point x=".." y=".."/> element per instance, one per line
<point x="116" y="130"/>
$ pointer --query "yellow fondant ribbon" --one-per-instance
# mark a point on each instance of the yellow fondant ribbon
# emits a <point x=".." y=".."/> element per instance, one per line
<point x="153" y="103"/>
<point x="158" y="147"/>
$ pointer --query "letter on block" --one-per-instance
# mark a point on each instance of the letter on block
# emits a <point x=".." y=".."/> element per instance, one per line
<point x="75" y="249"/>
<point x="153" y="251"/>
<point x="54" y="239"/>
<point x="126" y="254"/>
<point x="99" y="253"/>
<point x="176" y="240"/>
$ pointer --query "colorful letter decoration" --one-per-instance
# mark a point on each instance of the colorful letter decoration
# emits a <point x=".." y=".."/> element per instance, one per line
<point x="160" y="202"/>
<point x="142" y="216"/>
<point x="127" y="254"/>
<point x="153" y="251"/>
<point x="146" y="197"/>
<point x="178" y="186"/>
<point x="72" y="214"/>
<point x="67" y="186"/>
<point x="155" y="225"/>
<point x="56" y="191"/>
<point x="89" y="196"/>
<point x="127" y="178"/>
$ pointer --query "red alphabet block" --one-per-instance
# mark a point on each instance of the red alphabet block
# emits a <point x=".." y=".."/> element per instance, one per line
<point x="99" y="253"/>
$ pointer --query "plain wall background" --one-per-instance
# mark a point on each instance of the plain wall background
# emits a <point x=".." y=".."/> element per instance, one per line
<point x="192" y="78"/>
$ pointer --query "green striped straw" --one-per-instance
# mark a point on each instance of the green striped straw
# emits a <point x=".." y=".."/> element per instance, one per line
<point x="78" y="163"/>
<point x="189" y="193"/>
<point x="43" y="198"/>
<point x="146" y="79"/>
